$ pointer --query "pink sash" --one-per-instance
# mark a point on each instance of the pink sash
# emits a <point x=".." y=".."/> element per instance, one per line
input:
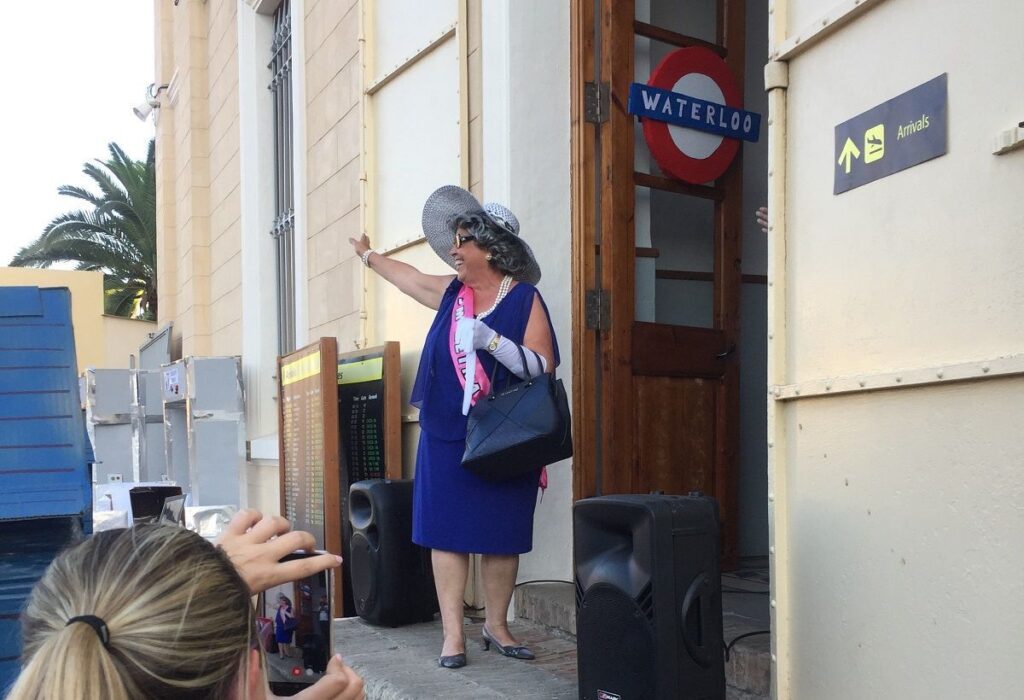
<point x="463" y="308"/>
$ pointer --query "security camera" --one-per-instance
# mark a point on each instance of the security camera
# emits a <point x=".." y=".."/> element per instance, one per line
<point x="144" y="109"/>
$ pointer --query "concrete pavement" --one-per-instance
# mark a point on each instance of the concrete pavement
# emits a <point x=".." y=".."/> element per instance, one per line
<point x="401" y="663"/>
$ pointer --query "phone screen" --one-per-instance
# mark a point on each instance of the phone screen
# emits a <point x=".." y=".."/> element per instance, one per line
<point x="294" y="622"/>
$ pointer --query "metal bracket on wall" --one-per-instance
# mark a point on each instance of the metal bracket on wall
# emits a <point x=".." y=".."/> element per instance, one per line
<point x="599" y="309"/>
<point x="986" y="369"/>
<point x="1009" y="140"/>
<point x="595" y="102"/>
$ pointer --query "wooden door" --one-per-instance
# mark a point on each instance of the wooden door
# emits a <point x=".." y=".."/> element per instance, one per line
<point x="656" y="402"/>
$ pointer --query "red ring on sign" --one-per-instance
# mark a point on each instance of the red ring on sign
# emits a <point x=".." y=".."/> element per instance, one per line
<point x="666" y="153"/>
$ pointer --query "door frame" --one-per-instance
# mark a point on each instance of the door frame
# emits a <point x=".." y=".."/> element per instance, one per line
<point x="603" y="199"/>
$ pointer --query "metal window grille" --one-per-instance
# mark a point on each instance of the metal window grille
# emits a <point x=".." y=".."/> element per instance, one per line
<point x="283" y="230"/>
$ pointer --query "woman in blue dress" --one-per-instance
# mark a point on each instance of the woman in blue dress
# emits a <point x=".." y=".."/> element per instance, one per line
<point x="490" y="305"/>
<point x="284" y="626"/>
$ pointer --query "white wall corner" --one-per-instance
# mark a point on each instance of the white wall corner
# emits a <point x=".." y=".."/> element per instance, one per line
<point x="301" y="273"/>
<point x="526" y="166"/>
<point x="256" y="193"/>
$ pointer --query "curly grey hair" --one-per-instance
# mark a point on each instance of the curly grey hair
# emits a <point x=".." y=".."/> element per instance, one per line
<point x="507" y="254"/>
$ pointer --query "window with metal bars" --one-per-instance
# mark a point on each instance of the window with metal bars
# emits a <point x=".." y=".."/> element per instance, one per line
<point x="283" y="230"/>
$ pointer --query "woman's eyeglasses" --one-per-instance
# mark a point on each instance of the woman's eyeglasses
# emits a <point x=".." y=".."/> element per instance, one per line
<point x="460" y="239"/>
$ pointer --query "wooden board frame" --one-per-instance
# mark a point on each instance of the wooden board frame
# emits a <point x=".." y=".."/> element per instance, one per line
<point x="326" y="376"/>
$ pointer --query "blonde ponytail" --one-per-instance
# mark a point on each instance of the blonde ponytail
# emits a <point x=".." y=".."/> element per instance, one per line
<point x="179" y="617"/>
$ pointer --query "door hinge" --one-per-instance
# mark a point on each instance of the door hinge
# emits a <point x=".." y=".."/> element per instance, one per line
<point x="599" y="309"/>
<point x="595" y="102"/>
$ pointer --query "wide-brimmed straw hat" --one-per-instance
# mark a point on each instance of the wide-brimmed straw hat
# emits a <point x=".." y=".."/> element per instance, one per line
<point x="449" y="202"/>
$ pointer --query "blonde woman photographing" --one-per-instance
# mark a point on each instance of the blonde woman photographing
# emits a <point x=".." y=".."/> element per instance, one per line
<point x="156" y="611"/>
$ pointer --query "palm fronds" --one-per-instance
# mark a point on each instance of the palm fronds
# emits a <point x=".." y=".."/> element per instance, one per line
<point x="116" y="236"/>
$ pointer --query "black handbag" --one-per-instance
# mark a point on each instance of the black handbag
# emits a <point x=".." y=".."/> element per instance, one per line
<point x="522" y="428"/>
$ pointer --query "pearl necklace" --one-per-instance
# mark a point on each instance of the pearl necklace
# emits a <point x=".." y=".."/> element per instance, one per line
<point x="506" y="284"/>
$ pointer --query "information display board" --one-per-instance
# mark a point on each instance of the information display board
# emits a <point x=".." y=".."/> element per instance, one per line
<point x="369" y="424"/>
<point x="369" y="414"/>
<point x="308" y="446"/>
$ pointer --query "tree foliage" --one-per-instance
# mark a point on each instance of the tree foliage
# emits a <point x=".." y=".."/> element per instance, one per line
<point x="115" y="233"/>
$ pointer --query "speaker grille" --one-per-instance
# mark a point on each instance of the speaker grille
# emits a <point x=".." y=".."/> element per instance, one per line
<point x="616" y="640"/>
<point x="645" y="601"/>
<point x="363" y="565"/>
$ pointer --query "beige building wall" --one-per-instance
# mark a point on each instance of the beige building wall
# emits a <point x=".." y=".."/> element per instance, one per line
<point x="896" y="354"/>
<point x="166" y="166"/>
<point x="334" y="132"/>
<point x="122" y="338"/>
<point x="211" y="138"/>
<point x="101" y="341"/>
<point x="198" y="271"/>
<point x="225" y="177"/>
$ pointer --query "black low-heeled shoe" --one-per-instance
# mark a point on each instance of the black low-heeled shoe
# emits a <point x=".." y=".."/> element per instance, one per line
<point x="513" y="652"/>
<point x="453" y="661"/>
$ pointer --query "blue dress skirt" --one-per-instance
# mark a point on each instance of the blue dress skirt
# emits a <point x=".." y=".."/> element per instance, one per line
<point x="457" y="511"/>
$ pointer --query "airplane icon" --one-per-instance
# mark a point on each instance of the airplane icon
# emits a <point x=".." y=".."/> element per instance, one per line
<point x="874" y="143"/>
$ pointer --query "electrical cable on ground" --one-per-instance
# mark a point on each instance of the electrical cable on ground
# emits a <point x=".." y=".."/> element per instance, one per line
<point x="729" y="646"/>
<point x="545" y="580"/>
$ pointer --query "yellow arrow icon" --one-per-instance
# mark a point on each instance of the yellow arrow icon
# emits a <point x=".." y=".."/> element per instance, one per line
<point x="850" y="151"/>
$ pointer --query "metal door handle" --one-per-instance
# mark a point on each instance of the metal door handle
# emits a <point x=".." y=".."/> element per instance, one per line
<point x="723" y="355"/>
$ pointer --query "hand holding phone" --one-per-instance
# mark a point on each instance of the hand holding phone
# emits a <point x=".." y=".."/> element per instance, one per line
<point x="339" y="683"/>
<point x="298" y="652"/>
<point x="257" y="545"/>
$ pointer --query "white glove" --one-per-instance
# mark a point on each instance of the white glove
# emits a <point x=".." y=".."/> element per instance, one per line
<point x="507" y="353"/>
<point x="472" y="333"/>
<point x="475" y="334"/>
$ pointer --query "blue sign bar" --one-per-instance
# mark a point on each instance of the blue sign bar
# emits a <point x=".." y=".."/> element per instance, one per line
<point x="683" y="110"/>
<point x="897" y="134"/>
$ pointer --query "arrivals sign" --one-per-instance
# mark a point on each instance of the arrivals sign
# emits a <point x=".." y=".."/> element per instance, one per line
<point x="692" y="114"/>
<point x="897" y="134"/>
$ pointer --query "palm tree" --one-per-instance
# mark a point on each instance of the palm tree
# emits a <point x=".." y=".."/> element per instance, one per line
<point x="116" y="236"/>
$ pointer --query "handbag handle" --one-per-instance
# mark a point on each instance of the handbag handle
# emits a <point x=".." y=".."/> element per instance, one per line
<point x="540" y="364"/>
<point x="522" y="357"/>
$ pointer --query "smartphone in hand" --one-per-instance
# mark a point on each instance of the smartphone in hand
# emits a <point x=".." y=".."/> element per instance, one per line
<point x="295" y="622"/>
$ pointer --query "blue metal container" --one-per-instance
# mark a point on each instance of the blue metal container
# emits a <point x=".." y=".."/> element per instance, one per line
<point x="44" y="450"/>
<point x="45" y="484"/>
<point x="26" y="548"/>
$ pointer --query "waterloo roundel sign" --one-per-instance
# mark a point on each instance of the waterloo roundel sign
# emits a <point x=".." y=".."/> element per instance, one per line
<point x="692" y="114"/>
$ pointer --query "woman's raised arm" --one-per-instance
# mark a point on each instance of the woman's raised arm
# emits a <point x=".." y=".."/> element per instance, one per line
<point x="424" y="288"/>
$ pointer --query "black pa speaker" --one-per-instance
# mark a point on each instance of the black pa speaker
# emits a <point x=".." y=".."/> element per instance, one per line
<point x="648" y="598"/>
<point x="392" y="579"/>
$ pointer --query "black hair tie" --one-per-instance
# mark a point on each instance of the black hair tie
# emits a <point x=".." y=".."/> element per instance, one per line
<point x="97" y="624"/>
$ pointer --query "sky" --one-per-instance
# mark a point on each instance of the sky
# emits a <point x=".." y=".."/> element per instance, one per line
<point x="73" y="72"/>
